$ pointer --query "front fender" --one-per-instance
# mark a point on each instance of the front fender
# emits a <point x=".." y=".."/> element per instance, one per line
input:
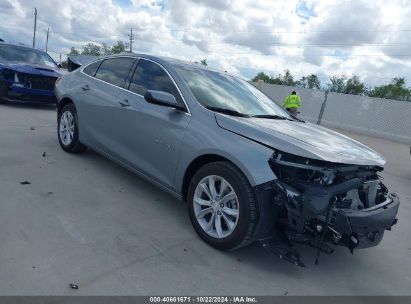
<point x="250" y="157"/>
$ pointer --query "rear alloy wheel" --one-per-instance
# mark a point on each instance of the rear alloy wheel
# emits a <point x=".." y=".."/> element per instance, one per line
<point x="67" y="130"/>
<point x="222" y="206"/>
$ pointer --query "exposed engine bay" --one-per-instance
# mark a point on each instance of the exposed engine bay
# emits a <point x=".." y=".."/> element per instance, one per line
<point x="319" y="203"/>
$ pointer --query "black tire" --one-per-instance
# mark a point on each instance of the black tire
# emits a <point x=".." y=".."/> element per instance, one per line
<point x="247" y="220"/>
<point x="3" y="91"/>
<point x="75" y="146"/>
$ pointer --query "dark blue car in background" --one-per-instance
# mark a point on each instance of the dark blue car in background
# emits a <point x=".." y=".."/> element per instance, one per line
<point x="27" y="74"/>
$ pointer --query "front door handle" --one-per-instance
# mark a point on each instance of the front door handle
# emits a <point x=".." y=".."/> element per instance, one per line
<point x="85" y="87"/>
<point x="124" y="103"/>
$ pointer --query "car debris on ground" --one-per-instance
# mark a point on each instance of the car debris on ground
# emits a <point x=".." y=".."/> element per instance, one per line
<point x="74" y="286"/>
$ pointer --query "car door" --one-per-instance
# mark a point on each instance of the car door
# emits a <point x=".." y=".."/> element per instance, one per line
<point x="148" y="136"/>
<point x="99" y="88"/>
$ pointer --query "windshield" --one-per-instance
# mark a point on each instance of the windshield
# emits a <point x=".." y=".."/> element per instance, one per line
<point x="220" y="90"/>
<point x="26" y="55"/>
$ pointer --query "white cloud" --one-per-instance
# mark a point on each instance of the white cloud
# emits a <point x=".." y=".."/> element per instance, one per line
<point x="367" y="38"/>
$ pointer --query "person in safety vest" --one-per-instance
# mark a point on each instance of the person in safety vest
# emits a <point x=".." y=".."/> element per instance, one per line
<point x="292" y="103"/>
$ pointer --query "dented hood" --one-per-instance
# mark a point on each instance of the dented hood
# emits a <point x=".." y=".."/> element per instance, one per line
<point x="303" y="139"/>
<point x="34" y="69"/>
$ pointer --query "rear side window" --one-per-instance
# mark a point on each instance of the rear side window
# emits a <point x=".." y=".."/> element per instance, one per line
<point x="91" y="69"/>
<point x="115" y="70"/>
<point x="150" y="76"/>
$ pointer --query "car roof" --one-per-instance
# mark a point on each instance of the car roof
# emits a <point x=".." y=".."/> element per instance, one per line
<point x="164" y="60"/>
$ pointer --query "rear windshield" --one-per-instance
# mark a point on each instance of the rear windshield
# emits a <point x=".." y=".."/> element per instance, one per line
<point x="19" y="54"/>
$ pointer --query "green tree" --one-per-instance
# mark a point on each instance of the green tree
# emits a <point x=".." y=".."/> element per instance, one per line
<point x="337" y="84"/>
<point x="310" y="82"/>
<point x="262" y="76"/>
<point x="92" y="49"/>
<point x="119" y="47"/>
<point x="355" y="86"/>
<point x="105" y="49"/>
<point x="395" y="90"/>
<point x="286" y="79"/>
<point x="73" y="51"/>
<point x="347" y="85"/>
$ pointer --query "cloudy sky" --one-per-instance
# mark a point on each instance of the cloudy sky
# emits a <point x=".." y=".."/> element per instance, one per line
<point x="371" y="39"/>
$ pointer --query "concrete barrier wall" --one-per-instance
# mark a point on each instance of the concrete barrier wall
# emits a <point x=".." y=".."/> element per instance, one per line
<point x="384" y="118"/>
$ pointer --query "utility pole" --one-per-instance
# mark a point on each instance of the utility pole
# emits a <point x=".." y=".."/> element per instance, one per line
<point x="35" y="25"/>
<point x="131" y="40"/>
<point x="47" y="39"/>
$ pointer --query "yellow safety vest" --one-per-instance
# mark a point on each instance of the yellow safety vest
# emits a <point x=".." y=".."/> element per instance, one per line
<point x="292" y="101"/>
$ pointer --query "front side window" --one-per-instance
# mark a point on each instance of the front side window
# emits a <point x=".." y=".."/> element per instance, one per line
<point x="115" y="70"/>
<point x="150" y="76"/>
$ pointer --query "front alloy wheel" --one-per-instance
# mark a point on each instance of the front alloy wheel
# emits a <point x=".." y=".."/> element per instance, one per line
<point x="216" y="206"/>
<point x="222" y="206"/>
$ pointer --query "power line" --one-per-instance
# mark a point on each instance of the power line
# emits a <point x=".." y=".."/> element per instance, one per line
<point x="90" y="34"/>
<point x="328" y="44"/>
<point x="369" y="78"/>
<point x="277" y="44"/>
<point x="312" y="55"/>
<point x="132" y="38"/>
<point x="292" y="32"/>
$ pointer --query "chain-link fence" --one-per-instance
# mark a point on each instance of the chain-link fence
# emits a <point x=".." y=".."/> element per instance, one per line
<point x="385" y="118"/>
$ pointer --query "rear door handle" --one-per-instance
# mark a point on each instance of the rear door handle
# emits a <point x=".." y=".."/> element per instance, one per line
<point x="124" y="103"/>
<point x="85" y="87"/>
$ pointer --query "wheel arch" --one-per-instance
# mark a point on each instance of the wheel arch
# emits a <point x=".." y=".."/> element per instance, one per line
<point x="63" y="102"/>
<point x="199" y="162"/>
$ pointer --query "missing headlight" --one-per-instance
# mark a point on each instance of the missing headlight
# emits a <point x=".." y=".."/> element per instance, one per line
<point x="324" y="200"/>
<point x="289" y="167"/>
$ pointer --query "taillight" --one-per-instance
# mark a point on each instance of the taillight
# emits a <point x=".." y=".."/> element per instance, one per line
<point x="57" y="80"/>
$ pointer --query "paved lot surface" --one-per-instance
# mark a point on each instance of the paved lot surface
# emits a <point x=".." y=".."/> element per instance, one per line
<point x="85" y="220"/>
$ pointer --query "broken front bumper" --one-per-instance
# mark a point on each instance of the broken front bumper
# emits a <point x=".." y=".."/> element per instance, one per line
<point x="316" y="202"/>
<point x="344" y="221"/>
<point x="312" y="216"/>
<point x="365" y="228"/>
<point x="21" y="93"/>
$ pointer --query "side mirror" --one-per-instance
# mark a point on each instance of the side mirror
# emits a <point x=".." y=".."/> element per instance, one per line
<point x="162" y="98"/>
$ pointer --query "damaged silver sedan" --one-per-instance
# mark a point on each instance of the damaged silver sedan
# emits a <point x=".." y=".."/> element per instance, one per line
<point x="247" y="169"/>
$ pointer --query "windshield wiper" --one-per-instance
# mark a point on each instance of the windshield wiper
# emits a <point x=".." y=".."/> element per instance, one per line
<point x="271" y="116"/>
<point x="227" y="111"/>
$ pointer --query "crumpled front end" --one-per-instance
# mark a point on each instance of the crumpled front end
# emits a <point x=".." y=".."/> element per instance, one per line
<point x="28" y="87"/>
<point x="318" y="202"/>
